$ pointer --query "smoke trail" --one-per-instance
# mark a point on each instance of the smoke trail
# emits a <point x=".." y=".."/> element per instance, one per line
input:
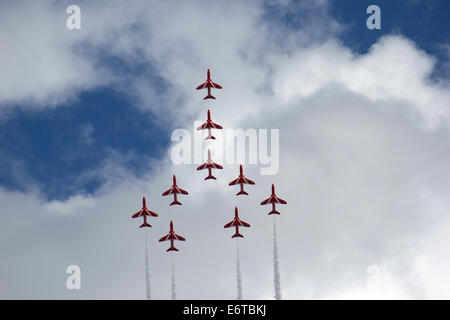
<point x="147" y="271"/>
<point x="174" y="291"/>
<point x="238" y="273"/>
<point x="276" y="268"/>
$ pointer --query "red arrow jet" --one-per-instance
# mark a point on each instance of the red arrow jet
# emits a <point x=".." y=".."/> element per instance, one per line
<point x="175" y="190"/>
<point x="209" y="125"/>
<point x="273" y="199"/>
<point x="144" y="213"/>
<point x="241" y="180"/>
<point x="210" y="165"/>
<point x="209" y="84"/>
<point x="236" y="222"/>
<point x="172" y="236"/>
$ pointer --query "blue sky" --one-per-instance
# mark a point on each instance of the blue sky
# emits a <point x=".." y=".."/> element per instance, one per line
<point x="55" y="146"/>
<point x="60" y="149"/>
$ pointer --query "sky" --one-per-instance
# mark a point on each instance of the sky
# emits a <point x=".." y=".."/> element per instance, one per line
<point x="87" y="116"/>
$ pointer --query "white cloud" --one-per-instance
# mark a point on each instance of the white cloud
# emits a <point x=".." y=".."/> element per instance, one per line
<point x="393" y="70"/>
<point x="40" y="67"/>
<point x="71" y="205"/>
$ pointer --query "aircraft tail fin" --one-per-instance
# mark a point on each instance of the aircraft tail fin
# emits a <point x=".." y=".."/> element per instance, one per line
<point x="209" y="96"/>
<point x="242" y="192"/>
<point x="172" y="248"/>
<point x="273" y="212"/>
<point x="176" y="202"/>
<point x="210" y="177"/>
<point x="145" y="224"/>
<point x="210" y="137"/>
<point x="237" y="234"/>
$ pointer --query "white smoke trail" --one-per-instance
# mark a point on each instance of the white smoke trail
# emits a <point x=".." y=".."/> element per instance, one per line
<point x="174" y="291"/>
<point x="276" y="268"/>
<point x="238" y="273"/>
<point x="147" y="271"/>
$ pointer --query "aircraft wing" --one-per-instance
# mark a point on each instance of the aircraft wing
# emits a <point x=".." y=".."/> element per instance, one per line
<point x="230" y="224"/>
<point x="268" y="200"/>
<point x="279" y="200"/>
<point x="243" y="223"/>
<point x="203" y="166"/>
<point x="210" y="165"/>
<point x="235" y="181"/>
<point x="215" y="165"/>
<point x="210" y="125"/>
<point x="203" y="85"/>
<point x="203" y="126"/>
<point x="179" y="190"/>
<point x="215" y="85"/>
<point x="154" y="214"/>
<point x="171" y="190"/>
<point x="137" y="214"/>
<point x="215" y="126"/>
<point x="166" y="237"/>
<point x="178" y="237"/>
<point x="247" y="181"/>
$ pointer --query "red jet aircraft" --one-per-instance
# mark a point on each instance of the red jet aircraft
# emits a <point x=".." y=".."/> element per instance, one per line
<point x="236" y="222"/>
<point x="172" y="236"/>
<point x="175" y="190"/>
<point x="144" y="213"/>
<point x="273" y="199"/>
<point x="209" y="84"/>
<point x="209" y="125"/>
<point x="210" y="165"/>
<point x="241" y="180"/>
